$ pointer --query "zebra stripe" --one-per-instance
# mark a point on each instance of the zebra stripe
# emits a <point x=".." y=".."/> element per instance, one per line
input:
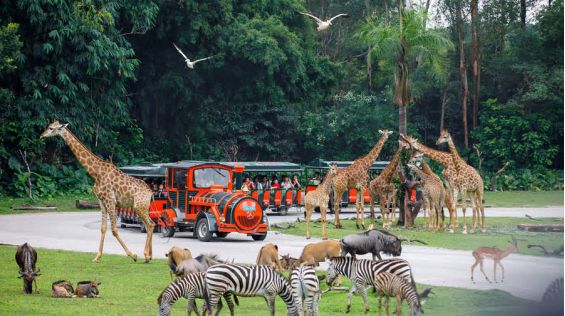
<point x="191" y="286"/>
<point x="363" y="272"/>
<point x="392" y="285"/>
<point x="305" y="284"/>
<point x="250" y="281"/>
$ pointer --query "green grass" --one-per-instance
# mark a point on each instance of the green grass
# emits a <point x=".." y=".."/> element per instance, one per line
<point x="63" y="203"/>
<point x="523" y="198"/>
<point x="498" y="234"/>
<point x="130" y="288"/>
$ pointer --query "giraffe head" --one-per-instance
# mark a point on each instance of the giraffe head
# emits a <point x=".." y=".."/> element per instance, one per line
<point x="416" y="159"/>
<point x="444" y="137"/>
<point x="54" y="129"/>
<point x="386" y="133"/>
<point x="333" y="168"/>
<point x="410" y="140"/>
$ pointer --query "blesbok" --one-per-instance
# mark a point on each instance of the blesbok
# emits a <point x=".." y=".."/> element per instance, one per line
<point x="495" y="254"/>
<point x="26" y="257"/>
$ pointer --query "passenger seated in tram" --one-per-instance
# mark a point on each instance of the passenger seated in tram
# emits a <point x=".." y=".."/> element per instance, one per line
<point x="256" y="183"/>
<point x="247" y="185"/>
<point x="161" y="192"/>
<point x="316" y="179"/>
<point x="275" y="184"/>
<point x="265" y="185"/>
<point x="286" y="183"/>
<point x="295" y="182"/>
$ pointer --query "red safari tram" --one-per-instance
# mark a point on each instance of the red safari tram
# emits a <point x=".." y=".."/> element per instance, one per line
<point x="201" y="199"/>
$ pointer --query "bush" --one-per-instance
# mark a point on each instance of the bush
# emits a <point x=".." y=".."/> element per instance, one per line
<point x="527" y="180"/>
<point x="53" y="181"/>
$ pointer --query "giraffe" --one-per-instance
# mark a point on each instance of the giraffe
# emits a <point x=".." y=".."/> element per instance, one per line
<point x="319" y="198"/>
<point x="382" y="188"/>
<point x="449" y="173"/>
<point x="112" y="187"/>
<point x="469" y="181"/>
<point x="434" y="193"/>
<point x="356" y="176"/>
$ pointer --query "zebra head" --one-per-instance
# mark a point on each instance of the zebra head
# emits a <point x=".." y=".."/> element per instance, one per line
<point x="337" y="266"/>
<point x="164" y="307"/>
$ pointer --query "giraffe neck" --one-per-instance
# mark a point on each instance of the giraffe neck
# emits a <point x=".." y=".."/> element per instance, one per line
<point x="326" y="184"/>
<point x="388" y="172"/>
<point x="369" y="158"/>
<point x="459" y="162"/>
<point x="443" y="158"/>
<point x="426" y="168"/>
<point x="420" y="173"/>
<point x="84" y="156"/>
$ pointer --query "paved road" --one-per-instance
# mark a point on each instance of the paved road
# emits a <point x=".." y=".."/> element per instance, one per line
<point x="526" y="276"/>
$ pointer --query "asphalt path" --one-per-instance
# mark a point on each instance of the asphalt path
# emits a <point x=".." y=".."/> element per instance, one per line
<point x="525" y="276"/>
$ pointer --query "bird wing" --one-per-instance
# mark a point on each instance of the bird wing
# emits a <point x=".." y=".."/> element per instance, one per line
<point x="345" y="15"/>
<point x="313" y="17"/>
<point x="201" y="59"/>
<point x="180" y="51"/>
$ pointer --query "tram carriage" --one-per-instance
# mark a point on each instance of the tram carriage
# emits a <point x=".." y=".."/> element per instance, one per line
<point x="201" y="199"/>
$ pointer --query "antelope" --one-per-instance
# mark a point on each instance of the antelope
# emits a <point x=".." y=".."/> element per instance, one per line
<point x="496" y="254"/>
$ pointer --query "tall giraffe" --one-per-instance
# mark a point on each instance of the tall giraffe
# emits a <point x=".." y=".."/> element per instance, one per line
<point x="381" y="187"/>
<point x="469" y="181"/>
<point x="319" y="198"/>
<point x="356" y="176"/>
<point x="112" y="187"/>
<point x="449" y="173"/>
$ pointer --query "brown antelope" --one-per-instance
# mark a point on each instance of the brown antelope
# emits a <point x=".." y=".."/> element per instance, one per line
<point x="496" y="254"/>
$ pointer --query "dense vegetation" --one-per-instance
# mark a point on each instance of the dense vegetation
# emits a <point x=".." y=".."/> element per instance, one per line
<point x="277" y="89"/>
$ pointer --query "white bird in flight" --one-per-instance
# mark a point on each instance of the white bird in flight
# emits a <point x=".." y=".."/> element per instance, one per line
<point x="189" y="64"/>
<point x="323" y="25"/>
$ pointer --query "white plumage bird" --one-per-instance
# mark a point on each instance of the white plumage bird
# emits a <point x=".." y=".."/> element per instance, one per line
<point x="190" y="64"/>
<point x="323" y="25"/>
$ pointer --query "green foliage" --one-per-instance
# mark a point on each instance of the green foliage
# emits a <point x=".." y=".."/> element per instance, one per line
<point x="528" y="180"/>
<point x="510" y="134"/>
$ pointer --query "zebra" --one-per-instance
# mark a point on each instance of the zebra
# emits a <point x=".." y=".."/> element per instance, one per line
<point x="552" y="300"/>
<point x="305" y="283"/>
<point x="250" y="281"/>
<point x="363" y="272"/>
<point x="191" y="286"/>
<point x="392" y="285"/>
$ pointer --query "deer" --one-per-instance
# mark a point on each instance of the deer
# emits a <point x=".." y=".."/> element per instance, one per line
<point x="496" y="254"/>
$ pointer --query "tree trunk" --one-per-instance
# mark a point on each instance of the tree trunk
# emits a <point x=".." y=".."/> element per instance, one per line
<point x="462" y="73"/>
<point x="523" y="13"/>
<point x="443" y="103"/>
<point x="369" y="66"/>
<point x="475" y="60"/>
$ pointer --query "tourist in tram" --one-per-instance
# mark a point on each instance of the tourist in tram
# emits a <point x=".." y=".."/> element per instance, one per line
<point x="295" y="182"/>
<point x="247" y="186"/>
<point x="286" y="183"/>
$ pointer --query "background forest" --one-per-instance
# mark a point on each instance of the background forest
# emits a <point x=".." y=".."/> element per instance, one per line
<point x="490" y="71"/>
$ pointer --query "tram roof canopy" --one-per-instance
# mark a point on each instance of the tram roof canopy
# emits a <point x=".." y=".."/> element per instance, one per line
<point x="148" y="170"/>
<point x="266" y="166"/>
<point x="325" y="164"/>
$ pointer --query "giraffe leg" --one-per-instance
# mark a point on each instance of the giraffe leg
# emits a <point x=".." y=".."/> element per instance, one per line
<point x="308" y="216"/>
<point x="103" y="227"/>
<point x="338" y="192"/>
<point x="464" y="209"/>
<point x="150" y="226"/>
<point x="323" y="219"/>
<point x="372" y="208"/>
<point x="360" y="205"/>
<point x="112" y="214"/>
<point x="475" y="212"/>
<point x="384" y="213"/>
<point x="454" y="197"/>
<point x="481" y="209"/>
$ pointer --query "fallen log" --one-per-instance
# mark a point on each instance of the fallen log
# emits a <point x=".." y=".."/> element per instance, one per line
<point x="532" y="218"/>
<point x="26" y="207"/>
<point x="557" y="228"/>
<point x="87" y="204"/>
<point x="555" y="252"/>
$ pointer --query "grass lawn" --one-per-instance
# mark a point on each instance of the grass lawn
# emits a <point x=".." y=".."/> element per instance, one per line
<point x="523" y="198"/>
<point x="498" y="234"/>
<point x="63" y="203"/>
<point x="130" y="288"/>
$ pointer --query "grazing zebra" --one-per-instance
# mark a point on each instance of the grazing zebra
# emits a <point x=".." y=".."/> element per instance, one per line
<point x="191" y="286"/>
<point x="305" y="284"/>
<point x="250" y="281"/>
<point x="363" y="272"/>
<point x="389" y="284"/>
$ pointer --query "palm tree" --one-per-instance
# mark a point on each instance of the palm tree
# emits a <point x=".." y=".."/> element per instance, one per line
<point x="402" y="46"/>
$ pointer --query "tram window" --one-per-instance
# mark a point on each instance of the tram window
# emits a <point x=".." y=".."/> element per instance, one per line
<point x="180" y="179"/>
<point x="206" y="177"/>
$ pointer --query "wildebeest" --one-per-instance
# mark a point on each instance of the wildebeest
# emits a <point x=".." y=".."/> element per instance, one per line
<point x="26" y="257"/>
<point x="288" y="262"/>
<point x="175" y="256"/>
<point x="62" y="288"/>
<point x="269" y="256"/>
<point x="87" y="289"/>
<point x="372" y="241"/>
<point x="197" y="264"/>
